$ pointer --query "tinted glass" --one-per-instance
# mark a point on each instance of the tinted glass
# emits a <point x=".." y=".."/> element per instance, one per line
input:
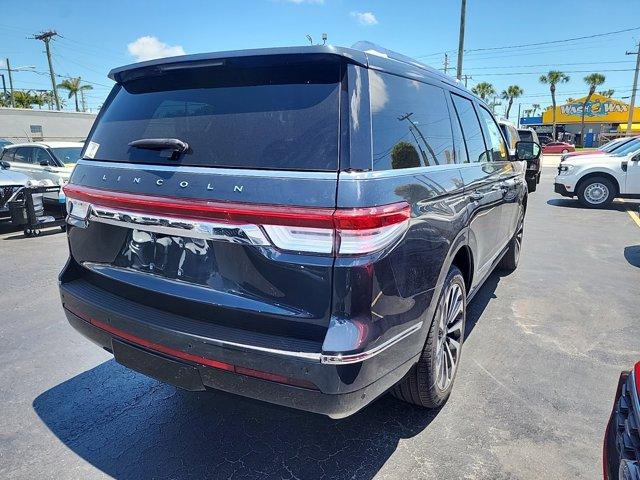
<point x="525" y="135"/>
<point x="499" y="151"/>
<point x="471" y="129"/>
<point x="614" y="145"/>
<point x="410" y="123"/>
<point x="67" y="155"/>
<point x="23" y="154"/>
<point x="461" y="155"/>
<point x="41" y="155"/>
<point x="629" y="147"/>
<point x="253" y="117"/>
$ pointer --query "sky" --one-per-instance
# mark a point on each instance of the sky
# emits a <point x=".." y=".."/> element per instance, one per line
<point x="96" y="36"/>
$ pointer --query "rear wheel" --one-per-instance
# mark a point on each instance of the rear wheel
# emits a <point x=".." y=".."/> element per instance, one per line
<point x="429" y="382"/>
<point x="596" y="192"/>
<point x="565" y="150"/>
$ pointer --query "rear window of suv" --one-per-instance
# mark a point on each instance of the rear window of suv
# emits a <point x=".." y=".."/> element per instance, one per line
<point x="263" y="117"/>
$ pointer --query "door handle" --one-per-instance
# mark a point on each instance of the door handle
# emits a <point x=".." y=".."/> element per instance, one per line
<point x="48" y="169"/>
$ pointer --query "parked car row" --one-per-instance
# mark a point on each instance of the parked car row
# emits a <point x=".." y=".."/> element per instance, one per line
<point x="598" y="178"/>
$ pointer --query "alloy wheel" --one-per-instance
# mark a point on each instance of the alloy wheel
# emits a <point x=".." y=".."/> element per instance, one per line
<point x="451" y="320"/>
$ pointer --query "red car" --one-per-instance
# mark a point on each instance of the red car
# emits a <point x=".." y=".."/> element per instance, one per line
<point x="621" y="450"/>
<point x="558" y="147"/>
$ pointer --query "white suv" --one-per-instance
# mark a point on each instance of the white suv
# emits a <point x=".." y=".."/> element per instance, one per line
<point x="597" y="179"/>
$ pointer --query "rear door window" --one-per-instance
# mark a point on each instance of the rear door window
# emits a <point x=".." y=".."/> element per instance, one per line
<point x="23" y="155"/>
<point x="471" y="129"/>
<point x="410" y="122"/>
<point x="284" y="117"/>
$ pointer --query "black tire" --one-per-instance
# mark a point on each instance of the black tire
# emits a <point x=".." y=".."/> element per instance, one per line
<point x="532" y="185"/>
<point x="597" y="184"/>
<point x="509" y="262"/>
<point x="565" y="151"/>
<point x="421" y="385"/>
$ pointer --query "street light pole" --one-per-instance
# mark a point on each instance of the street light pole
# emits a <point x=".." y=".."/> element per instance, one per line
<point x="632" y="104"/>
<point x="461" y="39"/>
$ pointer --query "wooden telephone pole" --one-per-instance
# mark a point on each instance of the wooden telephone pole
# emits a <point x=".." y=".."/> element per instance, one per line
<point x="46" y="38"/>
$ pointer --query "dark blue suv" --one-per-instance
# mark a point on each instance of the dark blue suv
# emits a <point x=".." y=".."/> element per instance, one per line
<point x="303" y="226"/>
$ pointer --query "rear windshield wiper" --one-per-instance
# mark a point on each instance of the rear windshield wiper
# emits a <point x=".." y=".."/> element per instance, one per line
<point x="174" y="144"/>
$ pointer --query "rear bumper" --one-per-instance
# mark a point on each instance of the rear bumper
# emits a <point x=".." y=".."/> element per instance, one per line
<point x="194" y="361"/>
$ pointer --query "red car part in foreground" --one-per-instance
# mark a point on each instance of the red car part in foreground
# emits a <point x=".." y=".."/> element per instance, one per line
<point x="621" y="450"/>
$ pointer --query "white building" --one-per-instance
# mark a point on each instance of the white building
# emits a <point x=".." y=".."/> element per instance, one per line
<point x="24" y="125"/>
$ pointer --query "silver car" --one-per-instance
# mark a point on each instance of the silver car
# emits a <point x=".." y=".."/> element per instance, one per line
<point x="11" y="183"/>
<point x="48" y="163"/>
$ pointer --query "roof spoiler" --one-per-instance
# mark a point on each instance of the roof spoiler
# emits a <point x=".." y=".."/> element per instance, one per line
<point x="137" y="70"/>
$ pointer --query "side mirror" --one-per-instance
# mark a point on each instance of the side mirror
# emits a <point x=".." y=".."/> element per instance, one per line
<point x="4" y="165"/>
<point x="44" y="163"/>
<point x="527" y="151"/>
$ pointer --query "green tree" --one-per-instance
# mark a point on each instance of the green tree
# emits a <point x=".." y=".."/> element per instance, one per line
<point x="535" y="107"/>
<point x="404" y="155"/>
<point x="512" y="92"/>
<point x="74" y="87"/>
<point x="553" y="78"/>
<point x="593" y="81"/>
<point x="484" y="90"/>
<point x="607" y="93"/>
<point x="24" y="98"/>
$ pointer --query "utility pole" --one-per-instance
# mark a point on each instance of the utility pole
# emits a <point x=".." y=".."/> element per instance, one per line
<point x="632" y="104"/>
<point x="46" y="38"/>
<point x="4" y="85"/>
<point x="519" y="106"/>
<point x="466" y="78"/>
<point x="84" y="107"/>
<point x="446" y="64"/>
<point x="461" y="39"/>
<point x="11" y="100"/>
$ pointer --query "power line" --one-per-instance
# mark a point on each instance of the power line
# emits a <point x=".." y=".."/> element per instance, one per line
<point x="536" y="44"/>
<point x="542" y="73"/>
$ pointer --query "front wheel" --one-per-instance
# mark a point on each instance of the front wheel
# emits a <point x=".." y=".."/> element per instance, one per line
<point x="430" y="381"/>
<point x="596" y="192"/>
<point x="565" y="151"/>
<point x="511" y="258"/>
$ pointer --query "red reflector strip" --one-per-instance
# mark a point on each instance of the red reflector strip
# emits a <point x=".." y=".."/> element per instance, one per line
<point x="636" y="377"/>
<point x="172" y="352"/>
<point x="231" y="212"/>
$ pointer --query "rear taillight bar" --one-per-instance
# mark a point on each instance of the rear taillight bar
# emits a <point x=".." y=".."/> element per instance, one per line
<point x="343" y="231"/>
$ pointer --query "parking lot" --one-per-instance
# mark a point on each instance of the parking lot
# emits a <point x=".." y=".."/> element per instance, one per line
<point x="544" y="349"/>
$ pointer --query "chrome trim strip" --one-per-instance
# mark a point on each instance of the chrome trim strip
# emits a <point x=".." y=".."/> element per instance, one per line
<point x="247" y="234"/>
<point x="339" y="359"/>
<point x="239" y="172"/>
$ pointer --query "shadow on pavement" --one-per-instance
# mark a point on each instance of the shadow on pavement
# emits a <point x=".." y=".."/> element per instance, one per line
<point x="130" y="426"/>
<point x="632" y="255"/>
<point x="574" y="203"/>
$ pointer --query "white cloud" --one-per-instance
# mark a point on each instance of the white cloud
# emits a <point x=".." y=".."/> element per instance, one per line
<point x="148" y="48"/>
<point x="365" y="18"/>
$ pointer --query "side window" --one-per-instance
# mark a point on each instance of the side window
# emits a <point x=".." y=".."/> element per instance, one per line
<point x="410" y="123"/>
<point x="460" y="149"/>
<point x="499" y="152"/>
<point x="41" y="155"/>
<point x="23" y="155"/>
<point x="471" y="129"/>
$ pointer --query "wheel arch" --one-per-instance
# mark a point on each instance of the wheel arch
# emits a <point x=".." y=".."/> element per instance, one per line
<point x="599" y="173"/>
<point x="463" y="259"/>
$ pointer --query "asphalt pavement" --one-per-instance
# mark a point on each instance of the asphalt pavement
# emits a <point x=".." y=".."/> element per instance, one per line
<point x="539" y="368"/>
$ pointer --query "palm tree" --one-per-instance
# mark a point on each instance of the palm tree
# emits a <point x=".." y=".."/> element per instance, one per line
<point x="512" y="92"/>
<point x="24" y="98"/>
<point x="553" y="78"/>
<point x="484" y="90"/>
<point x="74" y="87"/>
<point x="594" y="80"/>
<point x="535" y="107"/>
<point x="607" y="93"/>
